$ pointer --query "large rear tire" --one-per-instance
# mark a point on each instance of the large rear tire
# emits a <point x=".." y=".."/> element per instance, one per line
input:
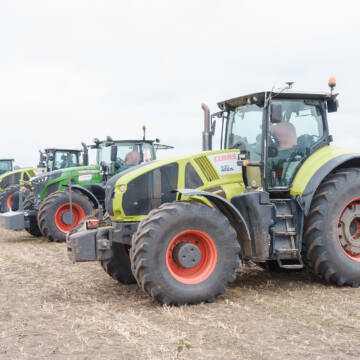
<point x="29" y="203"/>
<point x="119" y="267"/>
<point x="332" y="229"/>
<point x="184" y="253"/>
<point x="6" y="198"/>
<point x="54" y="213"/>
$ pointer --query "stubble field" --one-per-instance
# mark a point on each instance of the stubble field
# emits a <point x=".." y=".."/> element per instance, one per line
<point x="53" y="309"/>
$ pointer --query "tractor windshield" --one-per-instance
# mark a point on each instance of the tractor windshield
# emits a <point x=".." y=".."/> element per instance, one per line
<point x="5" y="166"/>
<point x="244" y="130"/>
<point x="128" y="154"/>
<point x="63" y="159"/>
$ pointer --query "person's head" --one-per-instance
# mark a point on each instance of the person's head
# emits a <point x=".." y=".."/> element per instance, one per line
<point x="286" y="134"/>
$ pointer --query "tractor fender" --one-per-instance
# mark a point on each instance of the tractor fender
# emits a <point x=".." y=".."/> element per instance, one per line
<point x="227" y="209"/>
<point x="87" y="193"/>
<point x="342" y="161"/>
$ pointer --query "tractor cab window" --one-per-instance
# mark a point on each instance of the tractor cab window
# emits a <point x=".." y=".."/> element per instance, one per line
<point x="244" y="130"/>
<point x="5" y="166"/>
<point x="128" y="154"/>
<point x="291" y="140"/>
<point x="62" y="160"/>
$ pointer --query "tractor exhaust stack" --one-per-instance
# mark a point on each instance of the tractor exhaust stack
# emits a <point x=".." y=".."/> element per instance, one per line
<point x="85" y="154"/>
<point x="207" y="134"/>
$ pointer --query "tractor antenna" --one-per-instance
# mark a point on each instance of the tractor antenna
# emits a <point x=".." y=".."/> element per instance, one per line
<point x="332" y="84"/>
<point x="144" y="129"/>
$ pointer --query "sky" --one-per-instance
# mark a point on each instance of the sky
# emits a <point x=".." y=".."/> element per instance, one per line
<point x="74" y="70"/>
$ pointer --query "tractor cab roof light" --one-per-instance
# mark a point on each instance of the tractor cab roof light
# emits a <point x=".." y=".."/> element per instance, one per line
<point x="332" y="83"/>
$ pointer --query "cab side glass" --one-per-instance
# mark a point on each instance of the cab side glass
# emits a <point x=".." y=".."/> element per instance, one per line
<point x="294" y="137"/>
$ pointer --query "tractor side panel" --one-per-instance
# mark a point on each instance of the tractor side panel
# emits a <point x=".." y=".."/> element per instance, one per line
<point x="216" y="172"/>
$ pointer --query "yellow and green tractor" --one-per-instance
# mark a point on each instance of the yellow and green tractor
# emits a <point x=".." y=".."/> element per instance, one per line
<point x="277" y="193"/>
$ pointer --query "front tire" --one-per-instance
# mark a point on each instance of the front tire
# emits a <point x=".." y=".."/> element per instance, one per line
<point x="54" y="213"/>
<point x="6" y="198"/>
<point x="119" y="267"/>
<point x="184" y="253"/>
<point x="332" y="229"/>
<point x="29" y="204"/>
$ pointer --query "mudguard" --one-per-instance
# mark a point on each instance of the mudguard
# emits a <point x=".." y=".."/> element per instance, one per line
<point x="87" y="193"/>
<point x="342" y="161"/>
<point x="228" y="209"/>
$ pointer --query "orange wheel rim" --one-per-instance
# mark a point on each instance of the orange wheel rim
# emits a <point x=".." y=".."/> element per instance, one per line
<point x="191" y="257"/>
<point x="348" y="230"/>
<point x="63" y="219"/>
<point x="9" y="202"/>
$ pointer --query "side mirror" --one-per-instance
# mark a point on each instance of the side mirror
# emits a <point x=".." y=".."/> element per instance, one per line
<point x="103" y="166"/>
<point x="276" y="113"/>
<point x="332" y="105"/>
<point x="113" y="155"/>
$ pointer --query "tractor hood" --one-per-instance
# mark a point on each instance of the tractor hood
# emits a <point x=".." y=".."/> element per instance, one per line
<point x="49" y="182"/>
<point x="130" y="195"/>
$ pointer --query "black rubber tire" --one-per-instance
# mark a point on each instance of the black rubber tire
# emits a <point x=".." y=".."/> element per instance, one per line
<point x="4" y="195"/>
<point x="119" y="267"/>
<point x="150" y="243"/>
<point x="48" y="208"/>
<point x="16" y="198"/>
<point x="322" y="251"/>
<point x="34" y="229"/>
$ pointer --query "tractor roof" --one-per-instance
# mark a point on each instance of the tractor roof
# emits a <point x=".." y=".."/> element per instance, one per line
<point x="59" y="149"/>
<point x="286" y="94"/>
<point x="128" y="141"/>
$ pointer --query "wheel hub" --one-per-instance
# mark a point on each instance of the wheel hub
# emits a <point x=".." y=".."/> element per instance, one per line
<point x="349" y="229"/>
<point x="187" y="255"/>
<point x="67" y="218"/>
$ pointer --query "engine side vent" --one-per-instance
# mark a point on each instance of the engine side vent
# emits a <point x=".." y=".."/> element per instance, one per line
<point x="207" y="168"/>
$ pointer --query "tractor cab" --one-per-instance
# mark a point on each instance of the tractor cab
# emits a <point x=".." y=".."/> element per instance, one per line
<point x="6" y="165"/>
<point x="115" y="156"/>
<point x="56" y="159"/>
<point x="275" y="133"/>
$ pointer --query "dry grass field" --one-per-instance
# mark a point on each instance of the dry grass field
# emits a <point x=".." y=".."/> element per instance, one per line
<point x="53" y="309"/>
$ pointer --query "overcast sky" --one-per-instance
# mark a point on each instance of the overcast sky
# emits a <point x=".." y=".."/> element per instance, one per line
<point x="74" y="70"/>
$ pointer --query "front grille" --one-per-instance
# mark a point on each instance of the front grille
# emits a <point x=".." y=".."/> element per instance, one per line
<point x="207" y="169"/>
<point x="38" y="183"/>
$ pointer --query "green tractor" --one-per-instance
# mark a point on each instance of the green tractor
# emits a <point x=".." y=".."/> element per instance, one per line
<point x="6" y="165"/>
<point x="51" y="211"/>
<point x="50" y="159"/>
<point x="279" y="195"/>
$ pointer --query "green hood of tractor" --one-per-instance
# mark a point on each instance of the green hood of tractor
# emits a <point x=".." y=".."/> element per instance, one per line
<point x="52" y="181"/>
<point x="131" y="194"/>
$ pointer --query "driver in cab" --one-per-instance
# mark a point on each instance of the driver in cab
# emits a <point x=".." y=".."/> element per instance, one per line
<point x="133" y="157"/>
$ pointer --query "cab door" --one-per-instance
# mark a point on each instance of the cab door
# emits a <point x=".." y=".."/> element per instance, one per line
<point x="291" y="141"/>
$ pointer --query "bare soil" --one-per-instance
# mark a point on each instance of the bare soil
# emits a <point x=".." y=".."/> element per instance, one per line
<point x="53" y="309"/>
